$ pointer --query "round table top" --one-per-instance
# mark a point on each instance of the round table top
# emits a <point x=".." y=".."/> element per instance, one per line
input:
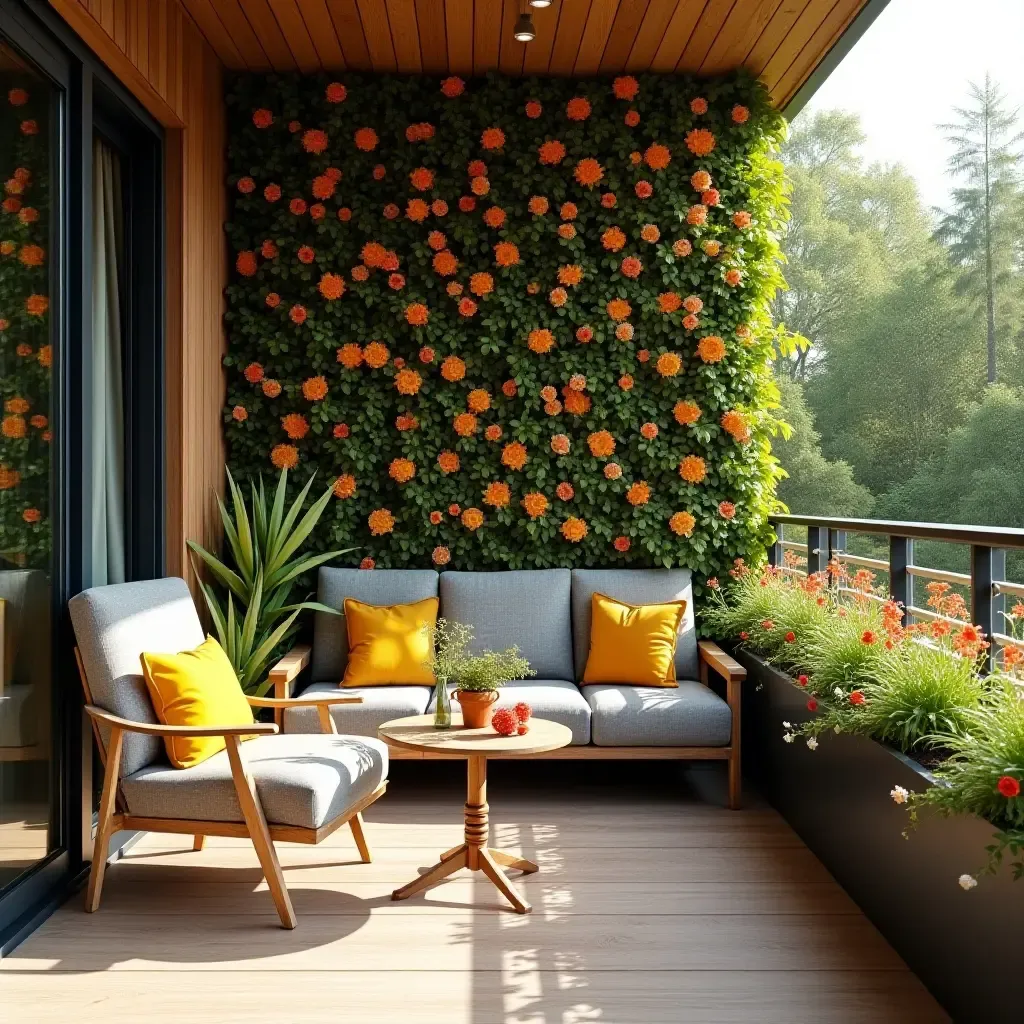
<point x="417" y="732"/>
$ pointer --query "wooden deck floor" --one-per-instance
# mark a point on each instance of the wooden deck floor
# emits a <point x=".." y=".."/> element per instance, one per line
<point x="651" y="906"/>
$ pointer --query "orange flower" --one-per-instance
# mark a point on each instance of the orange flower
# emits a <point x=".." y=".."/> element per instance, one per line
<point x="360" y="272"/>
<point x="396" y="281"/>
<point x="408" y="382"/>
<point x="741" y="219"/>
<point x="366" y="139"/>
<point x="601" y="444"/>
<point x="467" y="307"/>
<point x="262" y="117"/>
<point x="295" y="425"/>
<point x="472" y="519"/>
<point x="391" y="211"/>
<point x="574" y="530"/>
<point x="643" y="190"/>
<point x="711" y="197"/>
<point x="45" y="355"/>
<point x="566" y="231"/>
<point x="476" y="169"/>
<point x="711" y="349"/>
<point x="740" y="114"/>
<point x="568" y="211"/>
<point x="668" y="364"/>
<point x="479" y="185"/>
<point x="564" y="491"/>
<point x="727" y="510"/>
<point x="624" y="332"/>
<point x="246" y="264"/>
<point x="535" y="504"/>
<point x="697" y="215"/>
<point x="32" y="255"/>
<point x="380" y="521"/>
<point x="332" y="286"/>
<point x="285" y="456"/>
<point x="682" y="523"/>
<point x="19" y="405"/>
<point x="493" y="432"/>
<point x="538" y="205"/>
<point x="608" y="200"/>
<point x="650" y="233"/>
<point x="497" y="495"/>
<point x="367" y="563"/>
<point x="268" y="250"/>
<point x="588" y="172"/>
<point x="453" y="86"/>
<point x="533" y="109"/>
<point x="576" y="404"/>
<point x="577" y="109"/>
<point x="272" y="193"/>
<point x="350" y="355"/>
<point x="558" y="297"/>
<point x="632" y="118"/>
<point x="323" y="187"/>
<point x="700" y="181"/>
<point x="341" y="431"/>
<point x="314" y="388"/>
<point x="494" y="217"/>
<point x="570" y="274"/>
<point x="271" y="388"/>
<point x="465" y="424"/>
<point x="551" y="152"/>
<point x="693" y="469"/>
<point x="686" y="412"/>
<point x="13" y="426"/>
<point x="560" y="444"/>
<point x="735" y="424"/>
<point x="553" y="408"/>
<point x="448" y="462"/>
<point x="682" y="247"/>
<point x="625" y="87"/>
<point x="514" y="455"/>
<point x="743" y="331"/>
<point x="345" y="486"/>
<point x="435" y="518"/>
<point x="613" y="239"/>
<point x="621" y="544"/>
<point x="376" y="355"/>
<point x="437" y="241"/>
<point x="345" y="214"/>
<point x="733" y="277"/>
<point x="335" y="92"/>
<point x="373" y="254"/>
<point x="453" y="369"/>
<point x="421" y="179"/>
<point x="506" y="254"/>
<point x="406" y="421"/>
<point x="29" y="215"/>
<point x="584" y="334"/>
<point x="481" y="284"/>
<point x="631" y="267"/>
<point x="253" y="373"/>
<point x="712" y="247"/>
<point x="478" y="400"/>
<point x="657" y="157"/>
<point x="402" y="470"/>
<point x="467" y="204"/>
<point x="239" y="413"/>
<point x="626" y="382"/>
<point x="441" y="555"/>
<point x="32" y="515"/>
<point x="417" y="314"/>
<point x="638" y="493"/>
<point x="540" y="341"/>
<point x="444" y="263"/>
<point x="314" y="141"/>
<point x="9" y="478"/>
<point x="612" y="471"/>
<point x="416" y="210"/>
<point x="492" y="138"/>
<point x="618" y="309"/>
<point x="700" y="141"/>
<point x="699" y="105"/>
<point x="649" y="431"/>
<point x="306" y="254"/>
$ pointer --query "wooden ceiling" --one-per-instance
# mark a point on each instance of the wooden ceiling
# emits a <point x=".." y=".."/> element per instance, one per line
<point x="780" y="41"/>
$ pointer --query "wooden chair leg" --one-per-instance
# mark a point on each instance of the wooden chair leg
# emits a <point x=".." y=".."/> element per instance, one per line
<point x="197" y="843"/>
<point x="105" y="826"/>
<point x="356" y="824"/>
<point x="256" y="822"/>
<point x="735" y="743"/>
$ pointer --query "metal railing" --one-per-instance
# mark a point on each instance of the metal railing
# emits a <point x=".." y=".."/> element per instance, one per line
<point x="827" y="539"/>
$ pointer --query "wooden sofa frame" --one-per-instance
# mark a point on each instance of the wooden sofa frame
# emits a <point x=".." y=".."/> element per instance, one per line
<point x="712" y="658"/>
<point x="114" y="816"/>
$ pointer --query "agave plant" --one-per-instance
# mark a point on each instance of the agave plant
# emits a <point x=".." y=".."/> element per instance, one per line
<point x="254" y="618"/>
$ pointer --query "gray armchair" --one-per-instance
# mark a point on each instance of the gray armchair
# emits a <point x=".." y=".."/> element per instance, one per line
<point x="296" y="789"/>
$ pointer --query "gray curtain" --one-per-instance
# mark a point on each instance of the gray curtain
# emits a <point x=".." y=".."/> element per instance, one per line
<point x="107" y="448"/>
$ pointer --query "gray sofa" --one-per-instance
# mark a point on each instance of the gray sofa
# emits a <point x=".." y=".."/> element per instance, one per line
<point x="546" y="612"/>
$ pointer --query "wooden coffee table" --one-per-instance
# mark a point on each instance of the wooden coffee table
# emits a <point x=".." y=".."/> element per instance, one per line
<point x="476" y="745"/>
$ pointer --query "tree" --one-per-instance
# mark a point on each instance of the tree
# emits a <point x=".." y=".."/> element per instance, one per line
<point x="982" y="226"/>
<point x="813" y="485"/>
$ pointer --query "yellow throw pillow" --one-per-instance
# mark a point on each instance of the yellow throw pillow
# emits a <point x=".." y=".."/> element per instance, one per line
<point x="633" y="644"/>
<point x="389" y="644"/>
<point x="195" y="688"/>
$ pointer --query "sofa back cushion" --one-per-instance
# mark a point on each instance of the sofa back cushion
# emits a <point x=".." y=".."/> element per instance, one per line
<point x="634" y="586"/>
<point x="527" y="608"/>
<point x="371" y="586"/>
<point x="113" y="626"/>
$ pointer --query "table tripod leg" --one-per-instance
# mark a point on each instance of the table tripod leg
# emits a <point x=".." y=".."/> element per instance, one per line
<point x="436" y="874"/>
<point x="497" y="876"/>
<point x="510" y="860"/>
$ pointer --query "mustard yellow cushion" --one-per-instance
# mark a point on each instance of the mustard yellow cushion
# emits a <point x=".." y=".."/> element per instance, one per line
<point x="195" y="688"/>
<point x="389" y="644"/>
<point x="634" y="644"/>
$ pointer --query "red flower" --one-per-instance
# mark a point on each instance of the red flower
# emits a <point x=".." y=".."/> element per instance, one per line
<point x="867" y="637"/>
<point x="744" y="635"/>
<point x="856" y="698"/>
<point x="812" y="705"/>
<point x="802" y="680"/>
<point x="1008" y="786"/>
<point x="790" y="637"/>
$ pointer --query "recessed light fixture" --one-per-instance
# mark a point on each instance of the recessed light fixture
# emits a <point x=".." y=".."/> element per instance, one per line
<point x="540" y="3"/>
<point x="524" y="31"/>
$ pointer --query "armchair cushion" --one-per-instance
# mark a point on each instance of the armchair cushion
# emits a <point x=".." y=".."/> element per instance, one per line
<point x="380" y="705"/>
<point x="302" y="781"/>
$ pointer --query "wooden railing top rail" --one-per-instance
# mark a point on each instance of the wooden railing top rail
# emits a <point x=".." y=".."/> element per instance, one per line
<point x="989" y="536"/>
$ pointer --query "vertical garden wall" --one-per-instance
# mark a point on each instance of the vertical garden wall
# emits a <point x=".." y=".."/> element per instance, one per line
<point x="521" y="322"/>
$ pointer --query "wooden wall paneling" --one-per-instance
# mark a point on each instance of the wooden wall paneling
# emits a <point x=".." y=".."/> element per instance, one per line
<point x="138" y="28"/>
<point x="572" y="22"/>
<point x="349" y="26"/>
<point x="321" y="30"/>
<point x="628" y="19"/>
<point x="216" y="33"/>
<point x="648" y="37"/>
<point x="458" y="16"/>
<point x="486" y="35"/>
<point x="430" y="20"/>
<point x="405" y="35"/>
<point x="746" y="21"/>
<point x="377" y="29"/>
<point x="677" y="35"/>
<point x="784" y="18"/>
<point x="296" y="36"/>
<point x="704" y="34"/>
<point x="595" y="37"/>
<point x="512" y="52"/>
<point x="537" y="55"/>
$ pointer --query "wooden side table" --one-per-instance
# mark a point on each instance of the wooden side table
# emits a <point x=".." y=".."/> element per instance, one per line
<point x="418" y="733"/>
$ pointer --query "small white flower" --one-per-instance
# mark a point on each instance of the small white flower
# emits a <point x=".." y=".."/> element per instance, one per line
<point x="789" y="737"/>
<point x="839" y="692"/>
<point x="786" y="725"/>
<point x="899" y="794"/>
<point x="812" y="743"/>
<point x="967" y="882"/>
<point x="837" y="730"/>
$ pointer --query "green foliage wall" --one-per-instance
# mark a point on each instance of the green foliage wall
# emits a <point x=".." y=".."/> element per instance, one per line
<point x="616" y="254"/>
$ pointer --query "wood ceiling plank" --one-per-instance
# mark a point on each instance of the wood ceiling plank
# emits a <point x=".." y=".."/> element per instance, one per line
<point x="825" y="37"/>
<point x="784" y="18"/>
<point x="652" y="29"/>
<point x="405" y="36"/>
<point x="349" y="27"/>
<point x="321" y="30"/>
<point x="486" y="35"/>
<point x="215" y="32"/>
<point x="512" y="52"/>
<point x="433" y="37"/>
<point x="628" y="19"/>
<point x="377" y="30"/>
<point x="595" y="36"/>
<point x="795" y="40"/>
<point x="745" y="23"/>
<point x="537" y="54"/>
<point x="458" y="19"/>
<point x="677" y="35"/>
<point x="242" y="35"/>
<point x="572" y="22"/>
<point x="268" y="32"/>
<point x="296" y="35"/>
<point x="706" y="31"/>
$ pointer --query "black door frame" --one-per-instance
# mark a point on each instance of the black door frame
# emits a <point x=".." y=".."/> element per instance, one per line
<point x="93" y="100"/>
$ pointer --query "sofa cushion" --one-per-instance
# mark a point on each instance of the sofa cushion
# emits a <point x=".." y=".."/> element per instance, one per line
<point x="653" y="716"/>
<point x="371" y="586"/>
<point x="557" y="700"/>
<point x="634" y="586"/>
<point x="304" y="781"/>
<point x="380" y="705"/>
<point x="526" y="608"/>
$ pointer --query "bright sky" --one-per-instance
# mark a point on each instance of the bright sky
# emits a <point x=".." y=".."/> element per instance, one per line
<point x="911" y="68"/>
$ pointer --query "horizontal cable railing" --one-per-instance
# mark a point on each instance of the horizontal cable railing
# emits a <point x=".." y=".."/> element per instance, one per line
<point x="986" y="583"/>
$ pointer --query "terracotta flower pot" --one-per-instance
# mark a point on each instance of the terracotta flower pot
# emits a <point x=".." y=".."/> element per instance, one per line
<point x="477" y="707"/>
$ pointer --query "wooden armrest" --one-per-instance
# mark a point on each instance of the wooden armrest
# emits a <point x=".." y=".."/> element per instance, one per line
<point x="158" y="729"/>
<point x="301" y="702"/>
<point x="291" y="664"/>
<point x="713" y="656"/>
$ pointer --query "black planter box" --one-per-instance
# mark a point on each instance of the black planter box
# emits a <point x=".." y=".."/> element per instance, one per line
<point x="964" y="946"/>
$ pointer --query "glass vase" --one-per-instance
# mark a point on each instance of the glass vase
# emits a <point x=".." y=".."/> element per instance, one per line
<point x="442" y="707"/>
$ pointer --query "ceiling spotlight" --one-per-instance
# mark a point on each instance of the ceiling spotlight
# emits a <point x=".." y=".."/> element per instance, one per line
<point x="524" y="31"/>
<point x="540" y="3"/>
